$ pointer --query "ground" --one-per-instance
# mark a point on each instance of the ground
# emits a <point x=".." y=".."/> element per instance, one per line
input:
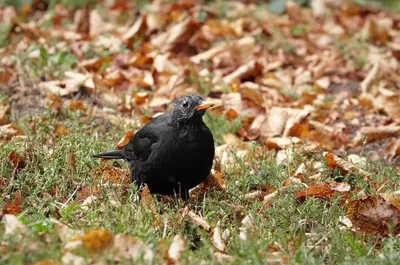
<point x="306" y="131"/>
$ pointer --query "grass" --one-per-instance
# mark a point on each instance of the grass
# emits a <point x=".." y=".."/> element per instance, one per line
<point x="58" y="170"/>
<point x="308" y="233"/>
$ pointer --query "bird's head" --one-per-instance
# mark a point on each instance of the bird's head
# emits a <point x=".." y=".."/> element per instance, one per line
<point x="190" y="109"/>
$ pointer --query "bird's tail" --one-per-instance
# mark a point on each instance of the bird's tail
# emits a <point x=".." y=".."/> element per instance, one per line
<point x="117" y="154"/>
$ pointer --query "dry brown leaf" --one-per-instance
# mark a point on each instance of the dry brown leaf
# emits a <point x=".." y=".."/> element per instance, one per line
<point x="95" y="240"/>
<point x="194" y="218"/>
<point x="13" y="227"/>
<point x="252" y="91"/>
<point x="377" y="30"/>
<point x="45" y="262"/>
<point x="207" y="55"/>
<point x="16" y="160"/>
<point x="64" y="232"/>
<point x="217" y="240"/>
<point x="139" y="27"/>
<point x="77" y="105"/>
<point x="241" y="72"/>
<point x="61" y="130"/>
<point x="374" y="215"/>
<point x="94" y="64"/>
<point x="10" y="130"/>
<point x="179" y="32"/>
<point x="14" y="207"/>
<point x="234" y="101"/>
<point x="247" y="224"/>
<point x="392" y="198"/>
<point x="147" y="199"/>
<point x="71" y="84"/>
<point x="81" y="20"/>
<point x="125" y="139"/>
<point x="141" y="98"/>
<point x="367" y="85"/>
<point x="390" y="104"/>
<point x="345" y="167"/>
<point x="392" y="149"/>
<point x="215" y="181"/>
<point x="127" y="248"/>
<point x="323" y="190"/>
<point x="3" y="113"/>
<point x="257" y="195"/>
<point x="70" y="258"/>
<point x="376" y="133"/>
<point x="280" y="142"/>
<point x="175" y="250"/>
<point x="281" y="121"/>
<point x="220" y="257"/>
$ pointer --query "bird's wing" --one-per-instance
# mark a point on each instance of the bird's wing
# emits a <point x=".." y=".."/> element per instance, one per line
<point x="145" y="140"/>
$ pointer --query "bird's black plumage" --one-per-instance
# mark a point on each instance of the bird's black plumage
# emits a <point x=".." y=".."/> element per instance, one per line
<point x="174" y="152"/>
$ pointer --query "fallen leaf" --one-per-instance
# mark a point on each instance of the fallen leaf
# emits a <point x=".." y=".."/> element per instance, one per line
<point x="138" y="28"/>
<point x="65" y="233"/>
<point x="345" y="167"/>
<point x="376" y="133"/>
<point x="195" y="219"/>
<point x="3" y="113"/>
<point x="247" y="224"/>
<point x="125" y="139"/>
<point x="220" y="257"/>
<point x="77" y="105"/>
<point x="10" y="130"/>
<point x="215" y="181"/>
<point x="323" y="190"/>
<point x="61" y="130"/>
<point x="375" y="30"/>
<point x="374" y="215"/>
<point x="16" y="161"/>
<point x="279" y="143"/>
<point x="95" y="240"/>
<point x="14" y="207"/>
<point x="13" y="227"/>
<point x="179" y="32"/>
<point x="71" y="259"/>
<point x="217" y="240"/>
<point x="175" y="250"/>
<point x="71" y="84"/>
<point x="127" y="248"/>
<point x="147" y="199"/>
<point x="241" y="72"/>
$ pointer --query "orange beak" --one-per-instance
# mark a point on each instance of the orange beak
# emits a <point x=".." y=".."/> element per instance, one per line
<point x="205" y="105"/>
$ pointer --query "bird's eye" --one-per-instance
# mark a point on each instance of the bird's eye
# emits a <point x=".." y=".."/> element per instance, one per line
<point x="185" y="104"/>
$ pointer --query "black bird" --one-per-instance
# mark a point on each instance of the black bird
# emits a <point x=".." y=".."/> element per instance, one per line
<point x="174" y="152"/>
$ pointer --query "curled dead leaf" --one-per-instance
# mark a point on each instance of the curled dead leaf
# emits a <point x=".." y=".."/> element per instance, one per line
<point x="345" y="167"/>
<point x="241" y="72"/>
<point x="217" y="240"/>
<point x="194" y="218"/>
<point x="376" y="133"/>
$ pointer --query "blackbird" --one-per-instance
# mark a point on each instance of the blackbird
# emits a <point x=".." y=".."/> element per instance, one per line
<point x="174" y="152"/>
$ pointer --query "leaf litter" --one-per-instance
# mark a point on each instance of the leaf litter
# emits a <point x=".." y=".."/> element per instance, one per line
<point x="300" y="83"/>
